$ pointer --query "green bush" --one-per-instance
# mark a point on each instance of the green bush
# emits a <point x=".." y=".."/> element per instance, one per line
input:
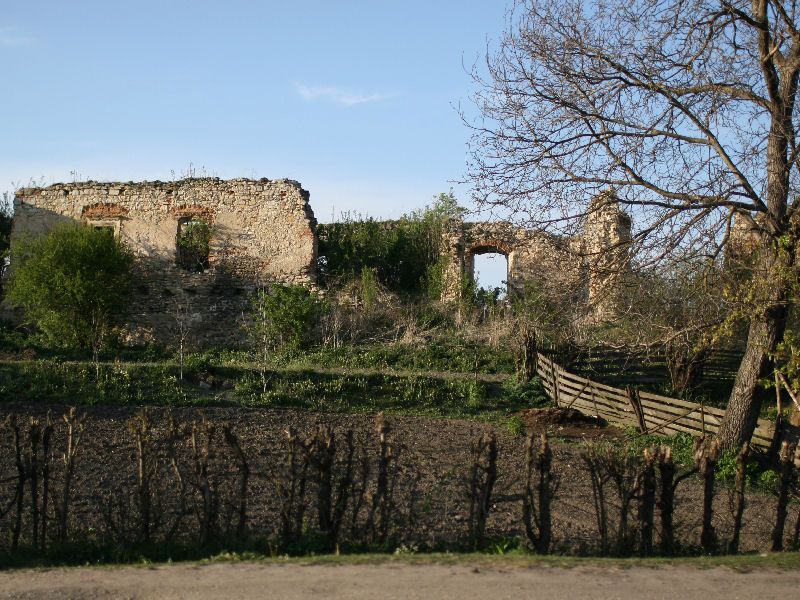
<point x="727" y="467"/>
<point x="285" y="317"/>
<point x="682" y="445"/>
<point x="525" y="393"/>
<point x="768" y="480"/>
<point x="73" y="283"/>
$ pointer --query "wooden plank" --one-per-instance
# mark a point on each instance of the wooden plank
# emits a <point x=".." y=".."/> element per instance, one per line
<point x="688" y="420"/>
<point x="587" y="395"/>
<point x="579" y="379"/>
<point x="599" y="388"/>
<point x="665" y="423"/>
<point x="611" y="417"/>
<point x="665" y="409"/>
<point x="678" y="402"/>
<point x="599" y="396"/>
<point x="613" y="408"/>
<point x="676" y="428"/>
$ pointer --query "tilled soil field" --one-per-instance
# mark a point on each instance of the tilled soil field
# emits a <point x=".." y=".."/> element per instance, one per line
<point x="430" y="505"/>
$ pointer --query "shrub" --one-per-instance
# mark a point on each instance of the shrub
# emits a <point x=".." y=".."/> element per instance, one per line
<point x="286" y="317"/>
<point x="73" y="283"/>
<point x="515" y="426"/>
<point x="681" y="444"/>
<point x="475" y="392"/>
<point x="525" y="393"/>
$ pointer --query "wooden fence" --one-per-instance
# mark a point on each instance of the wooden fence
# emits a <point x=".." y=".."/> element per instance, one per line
<point x="647" y="412"/>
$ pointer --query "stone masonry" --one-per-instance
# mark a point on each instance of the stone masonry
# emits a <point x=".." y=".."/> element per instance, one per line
<point x="262" y="232"/>
<point x="586" y="269"/>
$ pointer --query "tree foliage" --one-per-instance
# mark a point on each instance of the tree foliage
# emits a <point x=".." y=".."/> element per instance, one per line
<point x="285" y="318"/>
<point x="73" y="283"/>
<point x="401" y="254"/>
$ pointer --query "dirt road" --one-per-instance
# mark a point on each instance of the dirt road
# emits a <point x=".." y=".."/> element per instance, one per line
<point x="462" y="582"/>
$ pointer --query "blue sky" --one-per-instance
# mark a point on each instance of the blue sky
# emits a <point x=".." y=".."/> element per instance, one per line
<point x="353" y="99"/>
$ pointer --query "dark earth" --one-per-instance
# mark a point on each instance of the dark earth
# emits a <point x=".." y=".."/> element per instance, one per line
<point x="430" y="495"/>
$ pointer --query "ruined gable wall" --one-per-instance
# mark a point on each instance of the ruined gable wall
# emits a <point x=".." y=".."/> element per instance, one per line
<point x="262" y="232"/>
<point x="589" y="269"/>
<point x="532" y="255"/>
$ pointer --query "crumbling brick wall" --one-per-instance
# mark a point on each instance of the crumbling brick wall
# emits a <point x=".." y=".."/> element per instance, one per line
<point x="532" y="255"/>
<point x="588" y="268"/>
<point x="262" y="232"/>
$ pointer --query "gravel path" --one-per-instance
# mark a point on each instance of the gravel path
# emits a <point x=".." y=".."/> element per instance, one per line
<point x="462" y="582"/>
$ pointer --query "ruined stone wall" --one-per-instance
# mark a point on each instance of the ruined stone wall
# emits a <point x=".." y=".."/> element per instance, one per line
<point x="262" y="232"/>
<point x="586" y="269"/>
<point x="532" y="256"/>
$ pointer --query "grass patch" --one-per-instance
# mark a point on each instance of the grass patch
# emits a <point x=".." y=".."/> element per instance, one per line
<point x="158" y="384"/>
<point x="520" y="559"/>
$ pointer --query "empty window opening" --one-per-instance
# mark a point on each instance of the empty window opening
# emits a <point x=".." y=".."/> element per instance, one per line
<point x="194" y="236"/>
<point x="109" y="226"/>
<point x="105" y="229"/>
<point x="490" y="272"/>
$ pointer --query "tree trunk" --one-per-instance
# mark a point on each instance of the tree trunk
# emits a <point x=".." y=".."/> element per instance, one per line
<point x="766" y="331"/>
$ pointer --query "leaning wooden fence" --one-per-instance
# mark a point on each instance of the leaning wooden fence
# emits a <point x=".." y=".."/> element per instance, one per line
<point x="650" y="413"/>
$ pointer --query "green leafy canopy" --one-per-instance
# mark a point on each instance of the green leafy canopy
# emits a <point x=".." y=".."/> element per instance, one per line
<point x="73" y="283"/>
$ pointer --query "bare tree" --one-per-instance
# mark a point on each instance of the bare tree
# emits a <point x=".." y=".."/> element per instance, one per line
<point x="685" y="108"/>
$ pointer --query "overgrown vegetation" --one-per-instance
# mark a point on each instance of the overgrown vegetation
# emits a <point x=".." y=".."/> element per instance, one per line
<point x="204" y="384"/>
<point x="403" y="255"/>
<point x="193" y="245"/>
<point x="74" y="285"/>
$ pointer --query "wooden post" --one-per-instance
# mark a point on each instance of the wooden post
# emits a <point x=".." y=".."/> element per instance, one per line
<point x="554" y="379"/>
<point x="703" y="417"/>
<point x="636" y="404"/>
<point x="594" y="401"/>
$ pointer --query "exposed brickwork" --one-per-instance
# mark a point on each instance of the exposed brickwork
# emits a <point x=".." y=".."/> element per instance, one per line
<point x="262" y="232"/>
<point x="104" y="210"/>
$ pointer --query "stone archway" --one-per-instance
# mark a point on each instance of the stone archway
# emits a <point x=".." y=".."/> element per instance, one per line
<point x="467" y="240"/>
<point x="489" y="246"/>
<point x="577" y="263"/>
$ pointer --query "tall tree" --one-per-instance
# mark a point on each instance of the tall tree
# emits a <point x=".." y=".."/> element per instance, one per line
<point x="686" y="108"/>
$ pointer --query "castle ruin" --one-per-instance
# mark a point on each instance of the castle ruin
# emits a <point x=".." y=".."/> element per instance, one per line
<point x="261" y="232"/>
<point x="590" y="266"/>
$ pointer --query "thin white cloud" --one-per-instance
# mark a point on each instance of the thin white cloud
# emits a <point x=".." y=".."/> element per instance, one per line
<point x="10" y="36"/>
<point x="337" y="95"/>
